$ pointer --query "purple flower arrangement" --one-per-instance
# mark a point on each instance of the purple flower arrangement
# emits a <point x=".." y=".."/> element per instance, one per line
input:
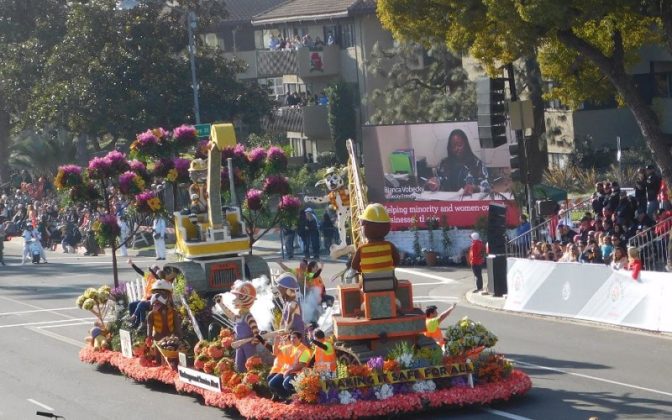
<point x="140" y="169"/>
<point x="256" y="156"/>
<point x="376" y="364"/>
<point x="68" y="176"/>
<point x="131" y="183"/>
<point x="181" y="167"/>
<point x="237" y="153"/>
<point x="100" y="168"/>
<point x="118" y="162"/>
<point x="147" y="202"/>
<point x="162" y="167"/>
<point x="276" y="184"/>
<point x="289" y="204"/>
<point x="254" y="199"/>
<point x="202" y="148"/>
<point x="160" y="133"/>
<point x="276" y="159"/>
<point x="106" y="229"/>
<point x="145" y="142"/>
<point x="237" y="178"/>
<point x="118" y="294"/>
<point x="185" y="135"/>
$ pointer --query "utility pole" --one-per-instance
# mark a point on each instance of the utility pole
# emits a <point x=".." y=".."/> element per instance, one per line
<point x="191" y="25"/>
<point x="520" y="138"/>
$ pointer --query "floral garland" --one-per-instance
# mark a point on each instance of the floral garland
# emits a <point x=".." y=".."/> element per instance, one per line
<point x="68" y="176"/>
<point x="148" y="202"/>
<point x="253" y="406"/>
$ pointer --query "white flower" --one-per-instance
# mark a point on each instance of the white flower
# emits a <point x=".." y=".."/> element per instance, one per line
<point x="405" y="359"/>
<point x="424" y="386"/>
<point x="345" y="397"/>
<point x="384" y="392"/>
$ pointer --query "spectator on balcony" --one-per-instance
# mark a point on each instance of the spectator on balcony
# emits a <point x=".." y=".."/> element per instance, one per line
<point x="307" y="40"/>
<point x="283" y="44"/>
<point x="274" y="43"/>
<point x="318" y="42"/>
<point x="619" y="260"/>
<point x="640" y="190"/>
<point x="566" y="234"/>
<point x="330" y="39"/>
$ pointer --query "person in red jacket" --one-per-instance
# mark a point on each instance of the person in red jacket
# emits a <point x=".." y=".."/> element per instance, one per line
<point x="634" y="262"/>
<point x="477" y="259"/>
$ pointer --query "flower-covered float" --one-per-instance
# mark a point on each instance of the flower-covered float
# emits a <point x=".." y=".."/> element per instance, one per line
<point x="466" y="371"/>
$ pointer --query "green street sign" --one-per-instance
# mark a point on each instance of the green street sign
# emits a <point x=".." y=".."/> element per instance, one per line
<point x="203" y="130"/>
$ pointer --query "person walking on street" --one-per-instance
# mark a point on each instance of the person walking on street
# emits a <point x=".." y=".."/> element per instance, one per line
<point x="125" y="232"/>
<point x="288" y="235"/>
<point x="2" y="243"/>
<point x="303" y="233"/>
<point x="313" y="232"/>
<point x="327" y="228"/>
<point x="159" y="234"/>
<point x="477" y="259"/>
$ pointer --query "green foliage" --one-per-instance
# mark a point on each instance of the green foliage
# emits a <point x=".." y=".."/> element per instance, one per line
<point x="572" y="179"/>
<point x="433" y="355"/>
<point x="43" y="152"/>
<point x="303" y="180"/>
<point x="417" y="249"/>
<point x="467" y="334"/>
<point x="342" y="118"/>
<point x="400" y="349"/>
<point x="437" y="90"/>
<point x="327" y="159"/>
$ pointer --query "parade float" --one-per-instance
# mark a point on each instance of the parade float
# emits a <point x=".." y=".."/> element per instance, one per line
<point x="384" y="363"/>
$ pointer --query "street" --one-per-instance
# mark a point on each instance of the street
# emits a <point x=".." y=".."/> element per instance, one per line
<point x="578" y="370"/>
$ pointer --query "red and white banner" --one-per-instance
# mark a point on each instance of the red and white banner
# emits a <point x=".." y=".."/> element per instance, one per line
<point x="404" y="214"/>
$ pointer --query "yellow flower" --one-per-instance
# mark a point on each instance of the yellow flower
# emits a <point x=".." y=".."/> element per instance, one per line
<point x="58" y="181"/>
<point x="96" y="226"/>
<point x="134" y="145"/>
<point x="154" y="203"/>
<point x="139" y="182"/>
<point x="172" y="175"/>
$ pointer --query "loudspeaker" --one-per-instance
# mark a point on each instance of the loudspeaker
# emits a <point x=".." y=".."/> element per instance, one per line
<point x="547" y="207"/>
<point x="497" y="228"/>
<point x="497" y="274"/>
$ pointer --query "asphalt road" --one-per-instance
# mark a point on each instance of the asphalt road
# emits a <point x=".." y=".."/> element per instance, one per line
<point x="578" y="370"/>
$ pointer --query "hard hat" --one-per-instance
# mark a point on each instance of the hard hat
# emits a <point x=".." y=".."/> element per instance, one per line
<point x="244" y="289"/>
<point x="475" y="236"/>
<point x="375" y="213"/>
<point x="288" y="281"/>
<point x="197" y="165"/>
<point x="161" y="284"/>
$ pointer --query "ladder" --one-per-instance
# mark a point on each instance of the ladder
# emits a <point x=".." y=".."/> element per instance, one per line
<point x="358" y="200"/>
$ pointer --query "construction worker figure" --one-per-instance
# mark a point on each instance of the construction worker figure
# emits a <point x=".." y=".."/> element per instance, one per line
<point x="433" y="323"/>
<point x="377" y="258"/>
<point x="163" y="320"/>
<point x="325" y="355"/>
<point x="246" y="325"/>
<point x="198" y="191"/>
<point x="281" y="384"/>
<point x="292" y="316"/>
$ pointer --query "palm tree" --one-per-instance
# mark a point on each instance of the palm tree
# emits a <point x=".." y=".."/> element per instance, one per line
<point x="42" y="153"/>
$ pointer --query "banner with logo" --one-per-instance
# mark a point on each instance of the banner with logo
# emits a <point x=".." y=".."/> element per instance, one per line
<point x="421" y="171"/>
<point x="593" y="292"/>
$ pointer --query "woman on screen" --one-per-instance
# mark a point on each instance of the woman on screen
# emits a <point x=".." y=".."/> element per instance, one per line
<point x="461" y="169"/>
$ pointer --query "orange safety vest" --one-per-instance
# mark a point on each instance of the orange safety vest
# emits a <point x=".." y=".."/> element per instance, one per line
<point x="282" y="360"/>
<point x="149" y="282"/>
<point x="345" y="197"/>
<point x="376" y="256"/>
<point x="433" y="331"/>
<point x="158" y="321"/>
<point x="325" y="360"/>
<point x="297" y="352"/>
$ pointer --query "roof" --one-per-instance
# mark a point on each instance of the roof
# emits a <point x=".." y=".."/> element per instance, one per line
<point x="245" y="10"/>
<point x="301" y="10"/>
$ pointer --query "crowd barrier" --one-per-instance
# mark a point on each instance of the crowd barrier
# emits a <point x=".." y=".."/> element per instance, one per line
<point x="591" y="292"/>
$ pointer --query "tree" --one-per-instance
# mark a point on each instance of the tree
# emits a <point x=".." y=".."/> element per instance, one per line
<point x="585" y="46"/>
<point x="342" y="119"/>
<point x="28" y="29"/>
<point x="43" y="152"/>
<point x="438" y="90"/>
<point x="117" y="72"/>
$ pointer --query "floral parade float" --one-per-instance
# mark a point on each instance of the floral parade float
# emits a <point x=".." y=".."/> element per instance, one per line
<point x="385" y="364"/>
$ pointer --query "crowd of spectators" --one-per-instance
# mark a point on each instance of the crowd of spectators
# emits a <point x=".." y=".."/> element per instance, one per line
<point x="294" y="43"/>
<point x="601" y="236"/>
<point x="306" y="98"/>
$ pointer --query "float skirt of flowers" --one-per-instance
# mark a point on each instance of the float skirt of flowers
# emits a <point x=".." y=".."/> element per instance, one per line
<point x="252" y="406"/>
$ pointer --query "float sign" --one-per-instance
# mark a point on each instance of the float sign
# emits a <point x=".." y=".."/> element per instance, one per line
<point x="126" y="345"/>
<point x="202" y="130"/>
<point x="199" y="379"/>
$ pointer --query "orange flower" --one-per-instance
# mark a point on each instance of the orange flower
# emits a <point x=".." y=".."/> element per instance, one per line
<point x="253" y="362"/>
<point x="251" y="378"/>
<point x="235" y="380"/>
<point x="241" y="390"/>
<point x="390" y="366"/>
<point x="226" y="342"/>
<point x="226" y="376"/>
<point x="359" y="370"/>
<point x="225" y="332"/>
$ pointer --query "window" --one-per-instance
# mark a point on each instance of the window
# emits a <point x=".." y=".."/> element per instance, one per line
<point x="213" y="41"/>
<point x="347" y="35"/>
<point x="274" y="86"/>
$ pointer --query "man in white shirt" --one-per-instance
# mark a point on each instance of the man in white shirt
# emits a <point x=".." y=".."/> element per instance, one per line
<point x="28" y="235"/>
<point x="125" y="232"/>
<point x="159" y="233"/>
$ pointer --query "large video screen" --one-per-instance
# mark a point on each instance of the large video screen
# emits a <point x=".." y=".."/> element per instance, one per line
<point x="431" y="170"/>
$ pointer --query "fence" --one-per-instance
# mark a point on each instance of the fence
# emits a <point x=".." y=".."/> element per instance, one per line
<point x="654" y="246"/>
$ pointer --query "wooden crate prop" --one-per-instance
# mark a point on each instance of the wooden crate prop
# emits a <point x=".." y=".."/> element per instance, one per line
<point x="378" y="305"/>
<point x="404" y="293"/>
<point x="351" y="299"/>
<point x="349" y="328"/>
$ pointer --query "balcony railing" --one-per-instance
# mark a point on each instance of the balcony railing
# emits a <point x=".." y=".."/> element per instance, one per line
<point x="304" y="62"/>
<point x="311" y="120"/>
<point x="276" y="63"/>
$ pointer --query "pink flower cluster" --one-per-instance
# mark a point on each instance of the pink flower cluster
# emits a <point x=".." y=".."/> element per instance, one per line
<point x="185" y="134"/>
<point x="256" y="156"/>
<point x="290" y="204"/>
<point x="146" y="140"/>
<point x="254" y="199"/>
<point x="276" y="158"/>
<point x="108" y="166"/>
<point x="181" y="165"/>
<point x="237" y="153"/>
<point x="276" y="184"/>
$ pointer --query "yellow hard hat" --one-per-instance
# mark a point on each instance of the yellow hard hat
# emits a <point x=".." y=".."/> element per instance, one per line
<point x="375" y="213"/>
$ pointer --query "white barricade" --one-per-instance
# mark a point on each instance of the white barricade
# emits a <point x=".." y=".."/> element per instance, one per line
<point x="590" y="291"/>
